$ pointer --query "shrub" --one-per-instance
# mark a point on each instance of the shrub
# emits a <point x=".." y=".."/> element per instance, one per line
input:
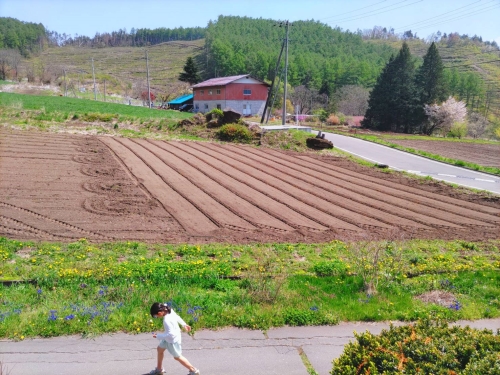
<point x="342" y="118"/>
<point x="214" y="113"/>
<point x="333" y="120"/>
<point x="427" y="347"/>
<point x="234" y="133"/>
<point x="458" y="130"/>
<point x="330" y="268"/>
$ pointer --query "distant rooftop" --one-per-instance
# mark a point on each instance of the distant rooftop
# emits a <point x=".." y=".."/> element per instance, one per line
<point x="181" y="99"/>
<point x="222" y="81"/>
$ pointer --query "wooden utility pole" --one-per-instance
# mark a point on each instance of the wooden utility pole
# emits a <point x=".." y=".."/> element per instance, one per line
<point x="283" y="120"/>
<point x="65" y="86"/>
<point x="93" y="75"/>
<point x="147" y="77"/>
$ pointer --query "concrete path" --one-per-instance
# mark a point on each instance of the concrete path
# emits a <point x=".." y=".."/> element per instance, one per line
<point x="415" y="164"/>
<point x="224" y="352"/>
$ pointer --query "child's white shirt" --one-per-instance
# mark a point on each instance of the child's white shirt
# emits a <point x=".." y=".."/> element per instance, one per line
<point x="172" y="332"/>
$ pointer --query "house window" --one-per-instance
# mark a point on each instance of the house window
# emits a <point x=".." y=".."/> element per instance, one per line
<point x="218" y="106"/>
<point x="209" y="92"/>
<point x="196" y="106"/>
<point x="206" y="106"/>
<point x="247" y="92"/>
<point x="202" y="92"/>
<point x="218" y="91"/>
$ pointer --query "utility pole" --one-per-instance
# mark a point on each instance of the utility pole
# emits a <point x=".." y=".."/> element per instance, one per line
<point x="65" y="87"/>
<point x="283" y="120"/>
<point x="271" y="93"/>
<point x="147" y="77"/>
<point x="93" y="75"/>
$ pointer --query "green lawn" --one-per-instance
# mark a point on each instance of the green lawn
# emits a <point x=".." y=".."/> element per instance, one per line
<point x="90" y="288"/>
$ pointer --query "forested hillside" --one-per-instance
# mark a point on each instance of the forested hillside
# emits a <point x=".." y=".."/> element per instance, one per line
<point x="25" y="37"/>
<point x="319" y="56"/>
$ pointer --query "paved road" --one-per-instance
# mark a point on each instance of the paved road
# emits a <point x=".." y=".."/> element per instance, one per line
<point x="224" y="352"/>
<point x="421" y="166"/>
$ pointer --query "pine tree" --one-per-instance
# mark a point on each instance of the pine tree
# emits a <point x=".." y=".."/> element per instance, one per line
<point x="190" y="73"/>
<point x="430" y="82"/>
<point x="393" y="101"/>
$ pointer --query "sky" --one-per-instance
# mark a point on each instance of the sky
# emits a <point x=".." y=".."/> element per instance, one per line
<point x="86" y="17"/>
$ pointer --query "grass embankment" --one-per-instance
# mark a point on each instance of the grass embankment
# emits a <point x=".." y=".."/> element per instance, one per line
<point x="386" y="141"/>
<point x="62" y="113"/>
<point x="95" y="288"/>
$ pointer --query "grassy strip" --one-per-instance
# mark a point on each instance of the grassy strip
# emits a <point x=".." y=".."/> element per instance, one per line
<point x="95" y="288"/>
<point x="458" y="163"/>
<point x="78" y="115"/>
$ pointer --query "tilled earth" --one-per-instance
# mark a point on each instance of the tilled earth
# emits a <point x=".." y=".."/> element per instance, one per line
<point x="64" y="187"/>
<point x="487" y="155"/>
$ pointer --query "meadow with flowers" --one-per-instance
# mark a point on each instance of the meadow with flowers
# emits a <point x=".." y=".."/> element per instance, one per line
<point x="51" y="289"/>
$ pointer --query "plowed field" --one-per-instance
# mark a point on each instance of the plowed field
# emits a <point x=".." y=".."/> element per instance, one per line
<point x="64" y="187"/>
<point x="487" y="155"/>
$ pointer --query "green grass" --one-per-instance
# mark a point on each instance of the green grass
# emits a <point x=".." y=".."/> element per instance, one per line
<point x="386" y="141"/>
<point x="70" y="106"/>
<point x="84" y="288"/>
<point x="49" y="113"/>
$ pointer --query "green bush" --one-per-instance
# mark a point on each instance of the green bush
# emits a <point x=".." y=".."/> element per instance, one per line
<point x="234" y="133"/>
<point x="458" y="130"/>
<point x="330" y="268"/>
<point x="427" y="347"/>
<point x="218" y="113"/>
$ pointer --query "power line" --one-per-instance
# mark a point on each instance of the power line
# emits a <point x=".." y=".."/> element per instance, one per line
<point x="459" y="17"/>
<point x="369" y="14"/>
<point x="439" y="15"/>
<point x="355" y="10"/>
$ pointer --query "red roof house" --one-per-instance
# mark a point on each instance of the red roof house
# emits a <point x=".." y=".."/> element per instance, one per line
<point x="242" y="93"/>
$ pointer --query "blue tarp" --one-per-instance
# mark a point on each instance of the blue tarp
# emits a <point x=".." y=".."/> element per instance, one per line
<point x="181" y="99"/>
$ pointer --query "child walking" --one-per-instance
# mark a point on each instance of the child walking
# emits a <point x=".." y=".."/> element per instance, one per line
<point x="171" y="339"/>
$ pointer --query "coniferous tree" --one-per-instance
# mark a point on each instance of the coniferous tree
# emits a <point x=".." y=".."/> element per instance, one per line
<point x="430" y="82"/>
<point x="190" y="73"/>
<point x="393" y="101"/>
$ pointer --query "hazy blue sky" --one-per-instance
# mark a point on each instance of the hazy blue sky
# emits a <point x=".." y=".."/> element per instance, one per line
<point x="86" y="17"/>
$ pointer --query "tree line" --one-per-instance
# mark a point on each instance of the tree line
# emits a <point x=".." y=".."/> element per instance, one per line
<point x="24" y="37"/>
<point x="121" y="38"/>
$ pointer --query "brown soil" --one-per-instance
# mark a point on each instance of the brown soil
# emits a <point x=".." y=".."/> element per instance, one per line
<point x="486" y="155"/>
<point x="64" y="187"/>
<point x="438" y="297"/>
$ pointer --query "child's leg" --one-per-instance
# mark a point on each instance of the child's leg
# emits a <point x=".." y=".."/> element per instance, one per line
<point x="161" y="353"/>
<point x="183" y="361"/>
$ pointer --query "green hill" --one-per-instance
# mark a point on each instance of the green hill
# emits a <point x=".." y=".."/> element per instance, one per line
<point x="320" y="57"/>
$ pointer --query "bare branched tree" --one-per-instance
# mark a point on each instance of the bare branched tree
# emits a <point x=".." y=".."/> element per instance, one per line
<point x="307" y="99"/>
<point x="352" y="100"/>
<point x="478" y="125"/>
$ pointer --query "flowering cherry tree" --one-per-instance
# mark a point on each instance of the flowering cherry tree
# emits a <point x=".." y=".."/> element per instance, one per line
<point x="442" y="117"/>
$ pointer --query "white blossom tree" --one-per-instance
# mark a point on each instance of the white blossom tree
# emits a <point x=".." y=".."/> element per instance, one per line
<point x="442" y="117"/>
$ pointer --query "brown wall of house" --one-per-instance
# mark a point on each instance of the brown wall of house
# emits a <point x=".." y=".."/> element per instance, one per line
<point x="235" y="91"/>
<point x="206" y="93"/>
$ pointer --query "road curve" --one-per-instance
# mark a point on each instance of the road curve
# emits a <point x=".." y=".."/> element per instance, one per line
<point x="403" y="161"/>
